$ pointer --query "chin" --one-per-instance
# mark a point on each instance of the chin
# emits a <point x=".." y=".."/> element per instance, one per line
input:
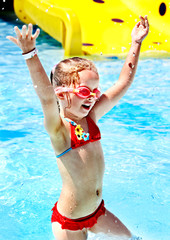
<point x="82" y="114"/>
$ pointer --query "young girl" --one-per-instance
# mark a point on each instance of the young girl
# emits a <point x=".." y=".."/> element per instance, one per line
<point x="72" y="105"/>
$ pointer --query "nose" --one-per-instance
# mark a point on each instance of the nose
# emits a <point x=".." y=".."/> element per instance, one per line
<point x="92" y="97"/>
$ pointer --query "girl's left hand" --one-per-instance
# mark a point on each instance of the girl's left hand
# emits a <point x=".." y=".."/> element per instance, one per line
<point x="141" y="30"/>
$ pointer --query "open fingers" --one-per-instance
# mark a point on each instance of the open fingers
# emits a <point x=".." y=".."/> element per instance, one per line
<point x="24" y="31"/>
<point x="18" y="33"/>
<point x="12" y="39"/>
<point x="29" y="32"/>
<point x="36" y="34"/>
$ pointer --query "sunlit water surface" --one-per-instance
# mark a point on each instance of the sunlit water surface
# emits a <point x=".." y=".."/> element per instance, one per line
<point x="135" y="138"/>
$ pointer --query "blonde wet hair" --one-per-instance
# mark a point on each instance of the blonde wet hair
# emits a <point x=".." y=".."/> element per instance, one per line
<point x="65" y="73"/>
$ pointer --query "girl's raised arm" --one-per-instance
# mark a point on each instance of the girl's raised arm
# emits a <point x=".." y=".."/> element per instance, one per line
<point x="25" y="40"/>
<point x="110" y="98"/>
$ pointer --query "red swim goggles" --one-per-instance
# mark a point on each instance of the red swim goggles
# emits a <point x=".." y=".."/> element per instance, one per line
<point x="81" y="91"/>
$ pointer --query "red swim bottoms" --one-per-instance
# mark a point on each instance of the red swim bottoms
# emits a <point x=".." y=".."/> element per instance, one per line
<point x="78" y="223"/>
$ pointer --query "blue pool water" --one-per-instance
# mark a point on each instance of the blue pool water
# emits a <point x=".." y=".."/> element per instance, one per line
<point x="135" y="138"/>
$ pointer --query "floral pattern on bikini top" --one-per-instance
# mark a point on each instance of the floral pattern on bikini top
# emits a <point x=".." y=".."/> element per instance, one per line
<point x="79" y="132"/>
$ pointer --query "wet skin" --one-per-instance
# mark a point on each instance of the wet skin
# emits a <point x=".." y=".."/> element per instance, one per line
<point x="82" y="169"/>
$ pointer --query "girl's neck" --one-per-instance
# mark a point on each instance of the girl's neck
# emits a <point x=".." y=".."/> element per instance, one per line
<point x="71" y="116"/>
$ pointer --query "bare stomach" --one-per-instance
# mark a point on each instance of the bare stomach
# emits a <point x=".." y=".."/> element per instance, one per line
<point x="82" y="175"/>
<point x="74" y="205"/>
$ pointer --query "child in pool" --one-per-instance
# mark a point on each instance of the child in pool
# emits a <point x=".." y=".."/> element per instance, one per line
<point x="71" y="124"/>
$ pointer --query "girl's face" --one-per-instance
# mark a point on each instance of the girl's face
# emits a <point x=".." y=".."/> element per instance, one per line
<point x="81" y="107"/>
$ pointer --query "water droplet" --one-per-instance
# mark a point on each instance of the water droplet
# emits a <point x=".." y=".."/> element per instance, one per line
<point x="46" y="10"/>
<point x="2" y="8"/>
<point x="35" y="86"/>
<point x="108" y="230"/>
<point x="134" y="54"/>
<point x="101" y="53"/>
<point x="123" y="48"/>
<point x="115" y="221"/>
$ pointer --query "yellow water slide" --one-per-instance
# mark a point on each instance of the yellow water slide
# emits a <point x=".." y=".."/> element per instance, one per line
<point x="99" y="26"/>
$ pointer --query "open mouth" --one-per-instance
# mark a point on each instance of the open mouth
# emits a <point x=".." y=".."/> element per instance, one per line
<point x="87" y="107"/>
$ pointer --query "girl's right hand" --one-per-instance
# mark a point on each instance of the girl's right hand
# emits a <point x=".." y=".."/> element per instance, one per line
<point x="25" y="39"/>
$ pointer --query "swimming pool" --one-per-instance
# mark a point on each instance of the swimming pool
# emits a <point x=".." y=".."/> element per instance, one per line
<point x="135" y="137"/>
